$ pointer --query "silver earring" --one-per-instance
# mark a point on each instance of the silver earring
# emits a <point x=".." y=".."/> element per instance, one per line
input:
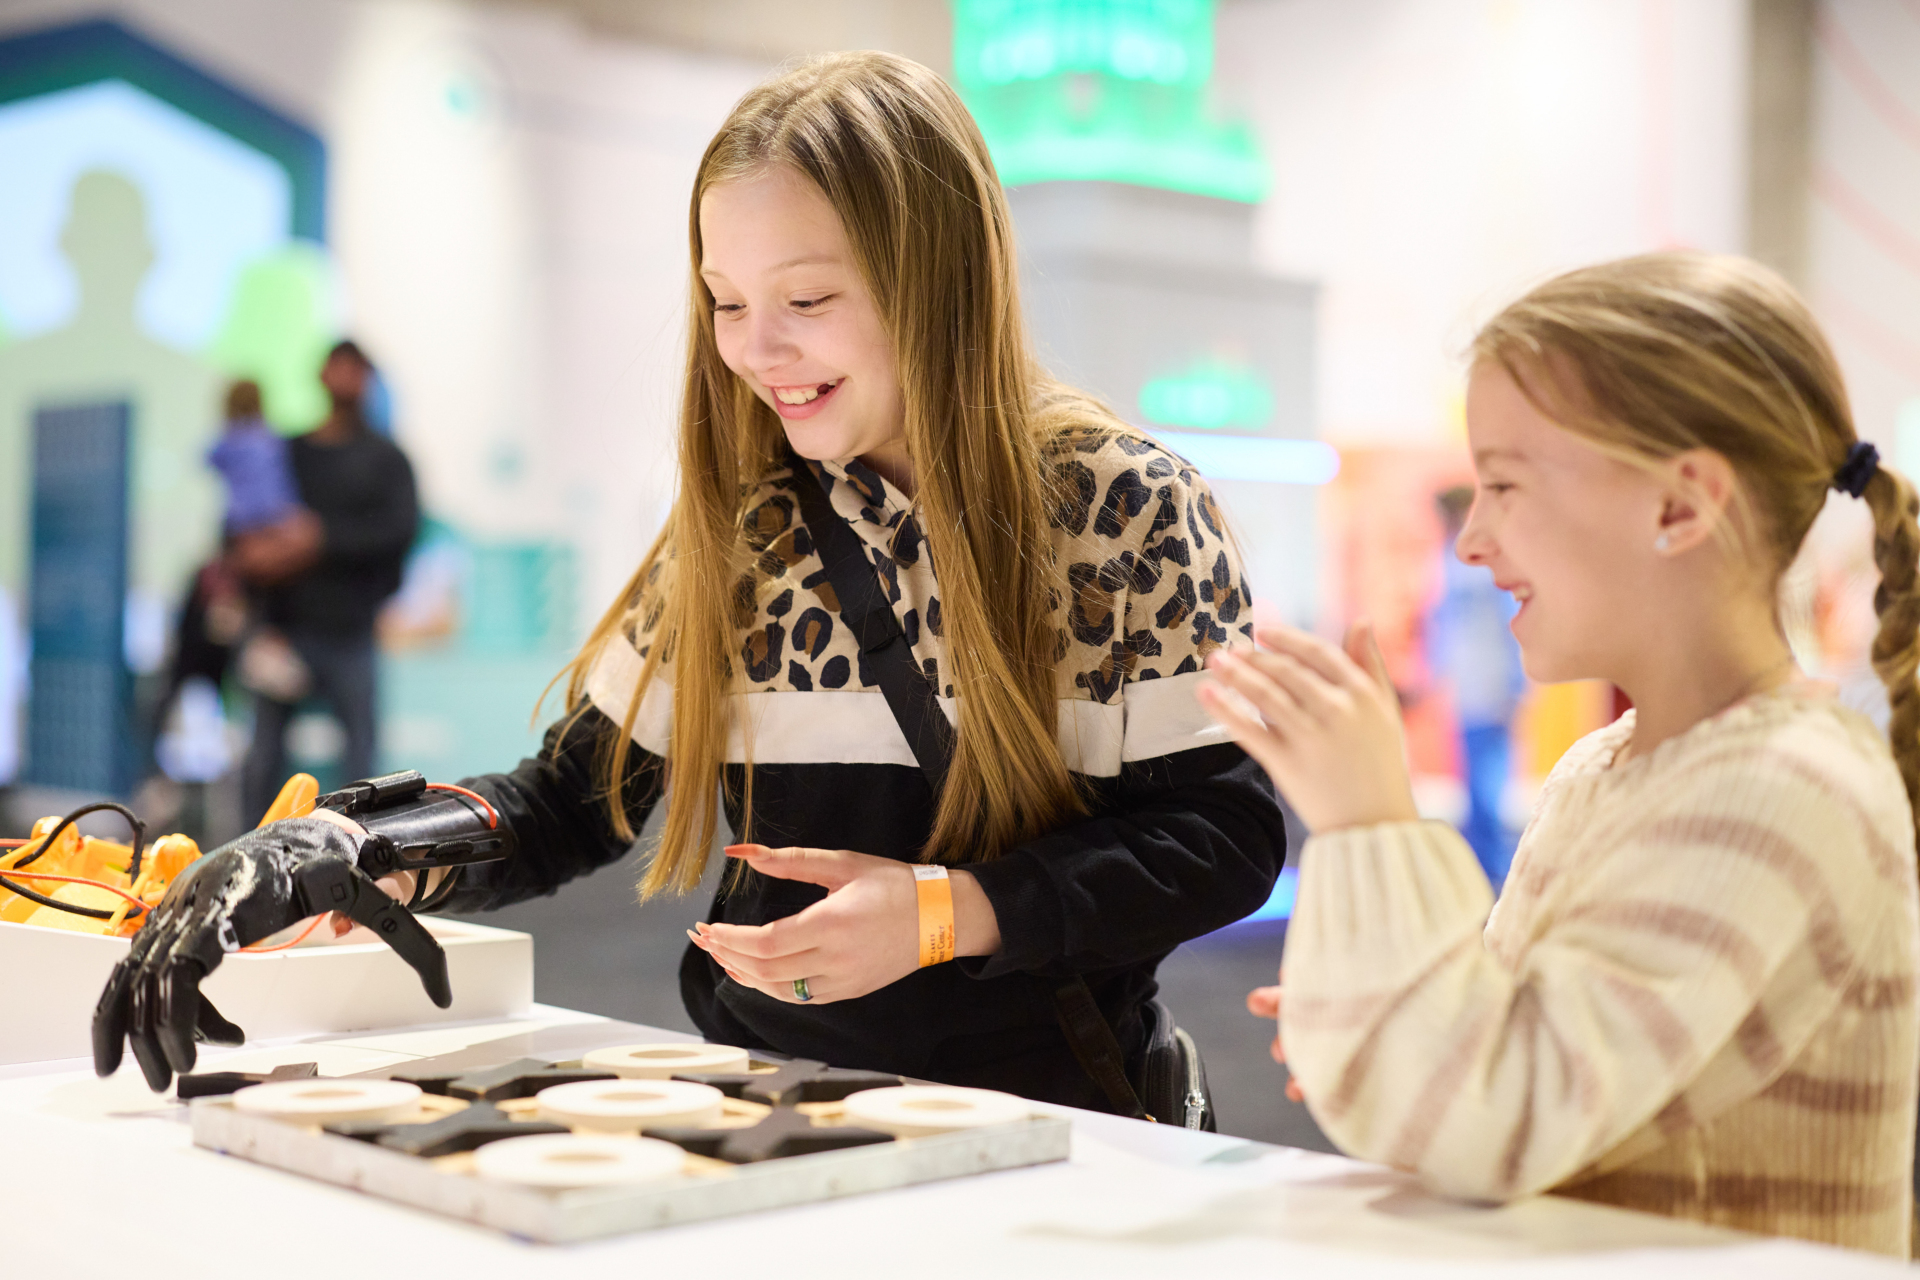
<point x="1662" y="542"/>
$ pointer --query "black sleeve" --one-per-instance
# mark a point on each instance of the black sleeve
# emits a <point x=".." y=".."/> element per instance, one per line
<point x="382" y="527"/>
<point x="1194" y="842"/>
<point x="558" y="814"/>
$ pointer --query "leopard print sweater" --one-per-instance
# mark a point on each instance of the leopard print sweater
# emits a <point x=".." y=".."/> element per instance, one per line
<point x="1148" y="583"/>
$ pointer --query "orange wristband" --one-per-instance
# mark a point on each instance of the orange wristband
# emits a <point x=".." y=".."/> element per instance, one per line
<point x="935" y="892"/>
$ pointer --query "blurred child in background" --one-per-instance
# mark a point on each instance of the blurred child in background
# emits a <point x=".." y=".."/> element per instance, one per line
<point x="252" y="458"/>
<point x="263" y="513"/>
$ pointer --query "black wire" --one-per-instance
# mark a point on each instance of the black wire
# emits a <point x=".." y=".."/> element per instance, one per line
<point x="133" y="820"/>
<point x="91" y="912"/>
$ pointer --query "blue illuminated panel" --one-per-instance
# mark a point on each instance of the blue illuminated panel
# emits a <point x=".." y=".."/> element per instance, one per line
<point x="79" y="722"/>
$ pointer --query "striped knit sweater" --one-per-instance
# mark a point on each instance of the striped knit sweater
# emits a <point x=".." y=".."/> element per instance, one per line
<point x="1695" y="997"/>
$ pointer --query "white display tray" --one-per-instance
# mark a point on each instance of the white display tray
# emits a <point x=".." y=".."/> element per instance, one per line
<point x="355" y="983"/>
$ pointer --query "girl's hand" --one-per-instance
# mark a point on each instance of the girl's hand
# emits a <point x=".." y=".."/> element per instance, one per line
<point x="863" y="936"/>
<point x="1264" y="1002"/>
<point x="1328" y="729"/>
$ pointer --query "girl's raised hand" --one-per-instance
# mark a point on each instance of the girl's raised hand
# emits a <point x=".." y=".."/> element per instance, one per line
<point x="1327" y="728"/>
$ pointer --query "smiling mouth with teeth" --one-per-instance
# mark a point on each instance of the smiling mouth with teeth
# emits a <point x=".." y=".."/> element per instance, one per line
<point x="803" y="395"/>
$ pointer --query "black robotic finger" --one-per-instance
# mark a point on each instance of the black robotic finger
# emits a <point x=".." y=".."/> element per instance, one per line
<point x="110" y="1018"/>
<point x="412" y="943"/>
<point x="201" y="942"/>
<point x="179" y="987"/>
<point x="333" y="885"/>
<point x="143" y="1033"/>
<point x="113" y="1016"/>
<point x="213" y="1027"/>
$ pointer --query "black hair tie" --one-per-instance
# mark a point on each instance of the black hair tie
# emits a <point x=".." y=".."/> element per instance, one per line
<point x="1852" y="477"/>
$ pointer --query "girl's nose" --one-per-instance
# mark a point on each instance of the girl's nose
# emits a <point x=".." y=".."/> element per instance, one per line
<point x="1473" y="545"/>
<point x="769" y="345"/>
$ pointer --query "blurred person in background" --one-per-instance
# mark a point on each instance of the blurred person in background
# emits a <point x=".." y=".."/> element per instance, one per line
<point x="321" y="573"/>
<point x="262" y="503"/>
<point x="1471" y="649"/>
<point x="252" y="459"/>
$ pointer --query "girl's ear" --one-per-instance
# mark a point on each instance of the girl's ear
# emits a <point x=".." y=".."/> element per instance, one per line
<point x="1698" y="494"/>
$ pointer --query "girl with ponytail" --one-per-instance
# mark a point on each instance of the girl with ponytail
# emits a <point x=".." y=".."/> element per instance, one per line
<point x="1695" y="994"/>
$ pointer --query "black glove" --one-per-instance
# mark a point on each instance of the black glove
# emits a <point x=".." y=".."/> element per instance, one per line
<point x="240" y="893"/>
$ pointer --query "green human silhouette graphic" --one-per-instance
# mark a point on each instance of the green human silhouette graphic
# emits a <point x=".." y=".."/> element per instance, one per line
<point x="102" y="355"/>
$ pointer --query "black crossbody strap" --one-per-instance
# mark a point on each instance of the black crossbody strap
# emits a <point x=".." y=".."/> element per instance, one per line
<point x="1093" y="1043"/>
<point x="868" y="614"/>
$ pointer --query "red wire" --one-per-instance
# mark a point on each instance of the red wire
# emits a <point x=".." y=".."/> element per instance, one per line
<point x="493" y="819"/>
<point x="42" y="875"/>
<point x="258" y="950"/>
<point x="15" y="844"/>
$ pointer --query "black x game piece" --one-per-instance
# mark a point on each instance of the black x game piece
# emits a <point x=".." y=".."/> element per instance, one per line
<point x="785" y="1132"/>
<point x="211" y="1084"/>
<point x="521" y="1078"/>
<point x="801" y="1080"/>
<point x="475" y="1126"/>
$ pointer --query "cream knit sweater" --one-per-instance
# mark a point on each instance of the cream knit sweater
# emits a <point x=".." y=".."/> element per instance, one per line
<point x="1696" y="995"/>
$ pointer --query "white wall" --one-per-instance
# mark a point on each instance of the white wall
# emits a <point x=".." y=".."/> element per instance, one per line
<point x="1433" y="157"/>
<point x="1864" y="259"/>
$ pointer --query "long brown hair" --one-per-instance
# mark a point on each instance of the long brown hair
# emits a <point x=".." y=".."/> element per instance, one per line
<point x="1678" y="351"/>
<point x="901" y="162"/>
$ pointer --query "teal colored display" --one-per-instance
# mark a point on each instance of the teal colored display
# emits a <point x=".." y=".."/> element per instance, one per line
<point x="1102" y="90"/>
<point x="1211" y="395"/>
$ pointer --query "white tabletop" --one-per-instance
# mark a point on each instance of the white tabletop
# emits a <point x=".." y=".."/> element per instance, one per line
<point x="103" y="1180"/>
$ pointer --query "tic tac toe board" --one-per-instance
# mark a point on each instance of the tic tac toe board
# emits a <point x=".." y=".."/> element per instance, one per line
<point x="762" y="1152"/>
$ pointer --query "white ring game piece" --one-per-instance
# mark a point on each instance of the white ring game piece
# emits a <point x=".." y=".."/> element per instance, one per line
<point x="561" y="1160"/>
<point x="920" y="1110"/>
<point x="625" y="1106"/>
<point x="323" y="1102"/>
<point x="659" y="1061"/>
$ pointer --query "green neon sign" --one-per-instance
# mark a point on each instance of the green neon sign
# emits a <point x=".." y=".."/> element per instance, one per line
<point x="1170" y="42"/>
<point x="1102" y="90"/>
<point x="1211" y="395"/>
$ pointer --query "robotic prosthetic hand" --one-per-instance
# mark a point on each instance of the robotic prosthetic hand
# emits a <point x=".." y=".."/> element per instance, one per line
<point x="272" y="878"/>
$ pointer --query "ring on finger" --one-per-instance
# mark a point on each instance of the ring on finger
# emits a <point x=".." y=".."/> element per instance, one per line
<point x="800" y="991"/>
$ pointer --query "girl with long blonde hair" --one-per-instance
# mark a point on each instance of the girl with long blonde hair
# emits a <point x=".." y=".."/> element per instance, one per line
<point x="1057" y="579"/>
<point x="1695" y="994"/>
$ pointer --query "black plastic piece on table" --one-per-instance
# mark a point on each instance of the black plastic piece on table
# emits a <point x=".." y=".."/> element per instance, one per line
<point x="213" y="1084"/>
<point x="800" y="1080"/>
<point x="785" y="1132"/>
<point x="465" y="1130"/>
<point x="521" y="1078"/>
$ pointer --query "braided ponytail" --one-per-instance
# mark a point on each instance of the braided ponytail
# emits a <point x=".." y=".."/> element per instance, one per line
<point x="1896" y="646"/>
